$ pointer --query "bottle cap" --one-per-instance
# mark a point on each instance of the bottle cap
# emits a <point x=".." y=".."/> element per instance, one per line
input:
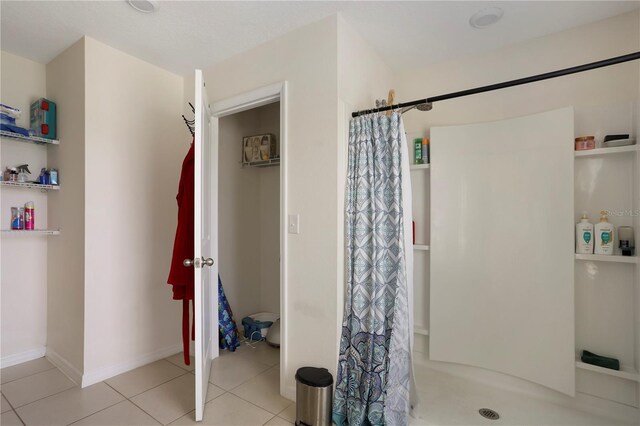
<point x="603" y="217"/>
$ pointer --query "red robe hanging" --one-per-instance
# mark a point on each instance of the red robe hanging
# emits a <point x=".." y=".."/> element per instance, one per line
<point x="180" y="276"/>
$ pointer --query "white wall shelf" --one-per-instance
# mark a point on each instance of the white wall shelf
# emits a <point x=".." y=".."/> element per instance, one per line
<point x="419" y="166"/>
<point x="263" y="163"/>
<point x="607" y="258"/>
<point x="28" y="139"/>
<point x="29" y="185"/>
<point x="623" y="373"/>
<point x="420" y="247"/>
<point x="30" y="232"/>
<point x="606" y="151"/>
<point x="421" y="331"/>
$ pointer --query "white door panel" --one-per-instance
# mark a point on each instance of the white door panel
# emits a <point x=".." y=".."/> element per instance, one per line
<point x="206" y="242"/>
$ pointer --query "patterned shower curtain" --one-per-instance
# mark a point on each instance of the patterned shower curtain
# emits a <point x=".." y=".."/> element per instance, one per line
<point x="375" y="376"/>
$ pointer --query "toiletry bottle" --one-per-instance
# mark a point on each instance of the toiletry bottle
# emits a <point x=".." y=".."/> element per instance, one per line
<point x="29" y="219"/>
<point x="604" y="235"/>
<point x="584" y="235"/>
<point x="425" y="151"/>
<point x="418" y="151"/>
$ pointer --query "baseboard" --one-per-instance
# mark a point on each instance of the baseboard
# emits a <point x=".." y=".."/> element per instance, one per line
<point x="99" y="375"/>
<point x="19" y="358"/>
<point x="65" y="366"/>
<point x="290" y="392"/>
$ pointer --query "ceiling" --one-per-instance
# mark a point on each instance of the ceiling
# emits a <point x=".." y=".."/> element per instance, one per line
<point x="184" y="35"/>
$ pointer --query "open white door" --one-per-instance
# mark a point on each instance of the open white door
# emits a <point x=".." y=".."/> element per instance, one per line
<point x="206" y="242"/>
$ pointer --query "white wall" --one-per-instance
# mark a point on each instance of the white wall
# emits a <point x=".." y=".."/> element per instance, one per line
<point x="24" y="270"/>
<point x="65" y="260"/>
<point x="135" y="144"/>
<point x="306" y="59"/>
<point x="604" y="102"/>
<point x="249" y="217"/>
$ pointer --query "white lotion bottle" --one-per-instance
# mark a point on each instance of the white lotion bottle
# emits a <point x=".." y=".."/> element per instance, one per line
<point x="584" y="235"/>
<point x="604" y="235"/>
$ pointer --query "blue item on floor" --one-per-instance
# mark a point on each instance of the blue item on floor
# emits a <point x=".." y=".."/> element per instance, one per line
<point x="252" y="328"/>
<point x="227" y="329"/>
<point x="14" y="129"/>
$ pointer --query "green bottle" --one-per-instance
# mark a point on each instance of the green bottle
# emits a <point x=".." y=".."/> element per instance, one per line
<point x="418" y="151"/>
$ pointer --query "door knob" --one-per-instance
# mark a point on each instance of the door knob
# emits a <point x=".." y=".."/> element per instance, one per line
<point x="207" y="262"/>
<point x="188" y="263"/>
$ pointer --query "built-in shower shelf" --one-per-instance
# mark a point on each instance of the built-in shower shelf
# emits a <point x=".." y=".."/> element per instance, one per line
<point x="421" y="247"/>
<point x="607" y="258"/>
<point x="625" y="373"/>
<point x="419" y="166"/>
<point x="420" y="330"/>
<point x="606" y="151"/>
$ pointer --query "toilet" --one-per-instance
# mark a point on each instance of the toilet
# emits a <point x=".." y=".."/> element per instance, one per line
<point x="273" y="334"/>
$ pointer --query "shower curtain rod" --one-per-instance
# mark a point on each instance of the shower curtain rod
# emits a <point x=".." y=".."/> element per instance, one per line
<point x="553" y="74"/>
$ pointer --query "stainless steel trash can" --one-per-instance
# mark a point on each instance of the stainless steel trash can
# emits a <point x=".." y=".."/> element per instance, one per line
<point x="314" y="396"/>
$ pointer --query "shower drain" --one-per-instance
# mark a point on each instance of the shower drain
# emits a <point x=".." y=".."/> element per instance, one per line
<point x="488" y="413"/>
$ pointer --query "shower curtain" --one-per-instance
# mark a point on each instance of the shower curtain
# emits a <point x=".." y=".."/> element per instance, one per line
<point x="375" y="375"/>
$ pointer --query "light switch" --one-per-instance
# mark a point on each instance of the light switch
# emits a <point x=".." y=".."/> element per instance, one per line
<point x="294" y="223"/>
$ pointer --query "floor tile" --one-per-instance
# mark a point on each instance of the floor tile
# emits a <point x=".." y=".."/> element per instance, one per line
<point x="37" y="386"/>
<point x="25" y="369"/>
<point x="289" y="413"/>
<point x="178" y="359"/>
<point x="278" y="421"/>
<point x="228" y="410"/>
<point x="173" y="399"/>
<point x="122" y="414"/>
<point x="10" y="419"/>
<point x="144" y="378"/>
<point x="264" y="391"/>
<point x="264" y="353"/>
<point x="5" y="405"/>
<point x="70" y="405"/>
<point x="258" y="351"/>
<point x="231" y="371"/>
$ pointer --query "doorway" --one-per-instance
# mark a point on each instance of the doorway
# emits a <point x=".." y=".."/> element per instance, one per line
<point x="251" y="134"/>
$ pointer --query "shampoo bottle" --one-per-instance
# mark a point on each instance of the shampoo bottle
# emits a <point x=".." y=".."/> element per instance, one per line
<point x="584" y="235"/>
<point x="604" y="235"/>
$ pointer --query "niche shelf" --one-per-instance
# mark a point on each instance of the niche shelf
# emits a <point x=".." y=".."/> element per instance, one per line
<point x="30" y="185"/>
<point x="606" y="151"/>
<point x="28" y="139"/>
<point x="624" y="373"/>
<point x="420" y="330"/>
<point x="30" y="232"/>
<point x="607" y="258"/>
<point x="414" y="167"/>
<point x="421" y="247"/>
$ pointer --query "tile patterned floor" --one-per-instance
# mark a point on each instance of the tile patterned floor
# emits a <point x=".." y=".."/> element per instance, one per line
<point x="243" y="391"/>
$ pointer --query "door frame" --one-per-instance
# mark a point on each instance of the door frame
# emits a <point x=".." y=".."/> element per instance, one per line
<point x="243" y="102"/>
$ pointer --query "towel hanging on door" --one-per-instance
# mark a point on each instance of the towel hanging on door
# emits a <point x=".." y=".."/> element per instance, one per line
<point x="180" y="276"/>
